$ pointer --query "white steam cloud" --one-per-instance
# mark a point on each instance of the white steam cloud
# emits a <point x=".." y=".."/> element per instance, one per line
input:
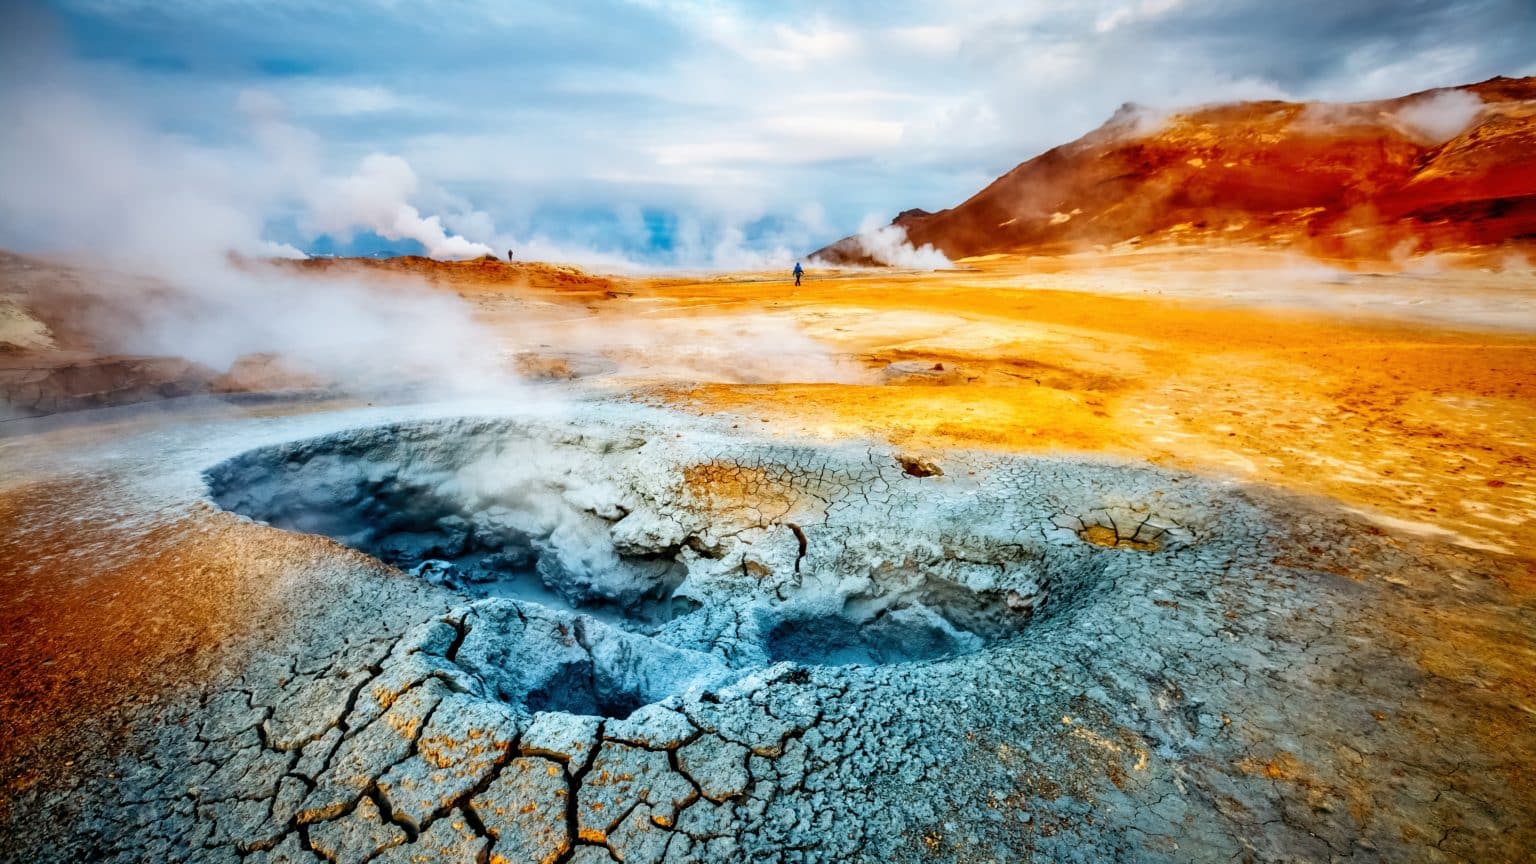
<point x="1132" y="120"/>
<point x="1441" y="116"/>
<point x="888" y="244"/>
<point x="376" y="198"/>
<point x="722" y="347"/>
<point x="83" y="176"/>
<point x="270" y="249"/>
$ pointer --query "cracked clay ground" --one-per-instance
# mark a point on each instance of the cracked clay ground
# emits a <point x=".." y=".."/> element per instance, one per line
<point x="1015" y="657"/>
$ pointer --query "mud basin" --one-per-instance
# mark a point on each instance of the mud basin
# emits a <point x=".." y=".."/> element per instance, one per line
<point x="609" y="541"/>
<point x="637" y="636"/>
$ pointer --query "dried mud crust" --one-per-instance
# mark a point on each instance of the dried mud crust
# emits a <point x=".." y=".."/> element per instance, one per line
<point x="739" y="558"/>
<point x="1121" y="664"/>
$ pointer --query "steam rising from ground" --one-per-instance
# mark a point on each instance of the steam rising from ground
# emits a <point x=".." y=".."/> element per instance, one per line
<point x="376" y="198"/>
<point x="1132" y="120"/>
<point x="888" y="244"/>
<point x="1441" y="116"/>
<point x="172" y="236"/>
<point x="717" y="348"/>
<point x="83" y="177"/>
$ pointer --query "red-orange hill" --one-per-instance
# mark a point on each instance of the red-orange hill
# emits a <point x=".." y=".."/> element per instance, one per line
<point x="1343" y="180"/>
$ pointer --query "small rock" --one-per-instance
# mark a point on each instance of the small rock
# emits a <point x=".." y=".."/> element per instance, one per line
<point x="719" y="767"/>
<point x="569" y="738"/>
<point x="920" y="372"/>
<point x="443" y="574"/>
<point x="524" y="810"/>
<point x="919" y="466"/>
<point x="357" y="836"/>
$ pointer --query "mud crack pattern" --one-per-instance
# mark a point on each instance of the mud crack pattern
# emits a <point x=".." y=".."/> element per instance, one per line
<point x="1123" y="664"/>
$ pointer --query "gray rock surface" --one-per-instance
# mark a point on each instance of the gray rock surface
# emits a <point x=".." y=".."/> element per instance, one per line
<point x="716" y="766"/>
<point x="525" y="810"/>
<point x="460" y="748"/>
<point x="568" y="738"/>
<point x="355" y="837"/>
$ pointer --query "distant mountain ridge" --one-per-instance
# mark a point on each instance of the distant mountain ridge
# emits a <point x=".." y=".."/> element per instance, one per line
<point x="1441" y="169"/>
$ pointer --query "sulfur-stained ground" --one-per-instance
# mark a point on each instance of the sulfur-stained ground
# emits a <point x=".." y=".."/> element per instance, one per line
<point x="1247" y="676"/>
<point x="1410" y="397"/>
<point x="1203" y="579"/>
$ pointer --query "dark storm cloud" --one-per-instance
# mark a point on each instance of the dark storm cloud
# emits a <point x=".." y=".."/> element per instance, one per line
<point x="1321" y="45"/>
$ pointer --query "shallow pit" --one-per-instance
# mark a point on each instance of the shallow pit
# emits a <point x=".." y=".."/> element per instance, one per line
<point x="551" y="660"/>
<point x="903" y="636"/>
<point x="910" y="618"/>
<point x="469" y="507"/>
<point x="596" y="521"/>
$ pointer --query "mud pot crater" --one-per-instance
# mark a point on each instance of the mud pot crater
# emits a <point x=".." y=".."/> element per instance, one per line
<point x="608" y="571"/>
<point x="472" y="511"/>
<point x="605" y="638"/>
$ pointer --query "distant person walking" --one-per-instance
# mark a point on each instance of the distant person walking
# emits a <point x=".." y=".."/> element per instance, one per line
<point x="799" y="271"/>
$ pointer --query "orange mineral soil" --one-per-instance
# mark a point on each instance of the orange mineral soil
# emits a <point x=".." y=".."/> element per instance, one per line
<point x="1407" y="393"/>
<point x="1424" y="426"/>
<point x="1408" y="396"/>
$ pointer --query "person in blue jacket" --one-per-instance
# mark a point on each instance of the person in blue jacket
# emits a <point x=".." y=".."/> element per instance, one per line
<point x="798" y="272"/>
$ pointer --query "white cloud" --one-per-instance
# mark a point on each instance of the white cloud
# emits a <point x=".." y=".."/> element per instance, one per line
<point x="788" y="139"/>
<point x="1144" y="10"/>
<point x="346" y="99"/>
<point x="768" y="43"/>
<point x="934" y="40"/>
<point x="712" y="110"/>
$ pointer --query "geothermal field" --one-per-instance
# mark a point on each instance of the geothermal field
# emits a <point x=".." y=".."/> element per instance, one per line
<point x="1172" y="498"/>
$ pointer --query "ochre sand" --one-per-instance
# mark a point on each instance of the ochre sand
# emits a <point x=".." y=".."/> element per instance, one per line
<point x="1410" y="397"/>
<point x="1419" y="415"/>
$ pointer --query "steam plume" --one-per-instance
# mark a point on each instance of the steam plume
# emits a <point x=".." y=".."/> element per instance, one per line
<point x="1441" y="116"/>
<point x="376" y="197"/>
<point x="82" y="175"/>
<point x="888" y="244"/>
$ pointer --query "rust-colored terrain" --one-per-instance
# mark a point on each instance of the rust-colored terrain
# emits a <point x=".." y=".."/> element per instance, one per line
<point x="1366" y="180"/>
<point x="1416" y="403"/>
<point x="1424" y="425"/>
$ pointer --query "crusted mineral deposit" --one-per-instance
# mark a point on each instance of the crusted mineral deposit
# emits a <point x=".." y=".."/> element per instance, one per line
<point x="601" y="640"/>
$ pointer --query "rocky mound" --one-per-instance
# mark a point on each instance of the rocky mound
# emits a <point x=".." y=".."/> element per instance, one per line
<point x="486" y="271"/>
<point x="1440" y="169"/>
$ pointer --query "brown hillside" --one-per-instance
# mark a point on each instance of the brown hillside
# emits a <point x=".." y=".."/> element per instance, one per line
<point x="1363" y="180"/>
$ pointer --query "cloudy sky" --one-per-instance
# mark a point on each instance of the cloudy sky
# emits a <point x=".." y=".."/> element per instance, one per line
<point x="690" y="133"/>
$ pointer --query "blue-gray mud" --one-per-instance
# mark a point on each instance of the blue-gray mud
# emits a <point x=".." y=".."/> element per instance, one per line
<point x="628" y="639"/>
